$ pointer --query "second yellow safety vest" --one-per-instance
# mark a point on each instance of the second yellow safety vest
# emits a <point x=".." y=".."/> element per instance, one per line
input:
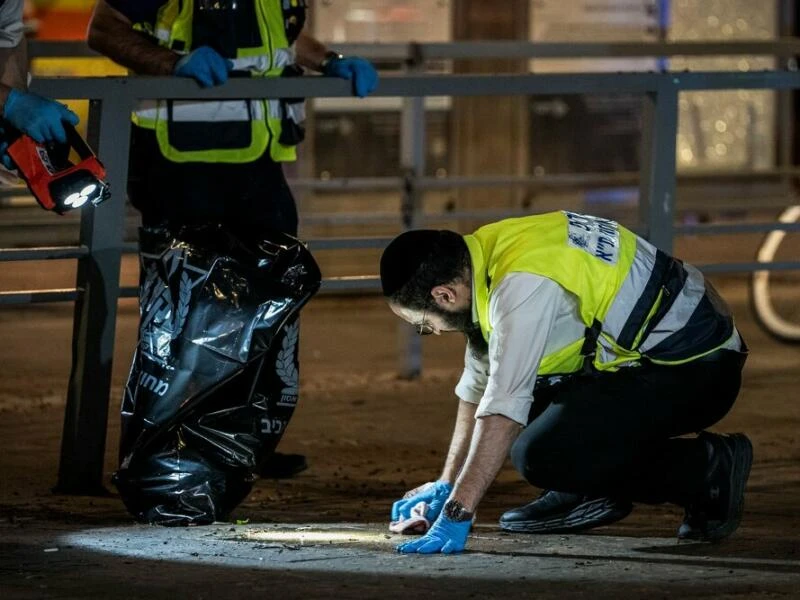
<point x="232" y="131"/>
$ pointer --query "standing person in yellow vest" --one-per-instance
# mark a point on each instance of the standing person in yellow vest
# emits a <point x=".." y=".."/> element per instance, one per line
<point x="589" y="352"/>
<point x="203" y="162"/>
<point x="216" y="161"/>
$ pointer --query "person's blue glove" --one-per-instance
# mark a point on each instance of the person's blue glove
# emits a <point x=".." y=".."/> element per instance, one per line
<point x="205" y="66"/>
<point x="445" y="536"/>
<point x="39" y="117"/>
<point x="356" y="69"/>
<point x="434" y="494"/>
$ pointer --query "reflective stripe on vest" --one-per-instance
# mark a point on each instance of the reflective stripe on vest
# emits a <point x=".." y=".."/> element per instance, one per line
<point x="642" y="299"/>
<point x="237" y="130"/>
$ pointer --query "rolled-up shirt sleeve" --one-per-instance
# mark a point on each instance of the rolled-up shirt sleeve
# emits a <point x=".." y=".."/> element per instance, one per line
<point x="472" y="385"/>
<point x="521" y="310"/>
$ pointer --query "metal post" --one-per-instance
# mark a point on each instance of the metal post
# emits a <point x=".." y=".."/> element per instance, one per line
<point x="785" y="128"/>
<point x="657" y="181"/>
<point x="101" y="232"/>
<point x="412" y="156"/>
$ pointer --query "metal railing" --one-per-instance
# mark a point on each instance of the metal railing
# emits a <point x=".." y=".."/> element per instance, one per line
<point x="413" y="52"/>
<point x="101" y="243"/>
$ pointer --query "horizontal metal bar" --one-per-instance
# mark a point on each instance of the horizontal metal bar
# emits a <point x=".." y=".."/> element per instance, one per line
<point x="43" y="253"/>
<point x="733" y="80"/>
<point x="401" y="52"/>
<point x="394" y="86"/>
<point x="21" y="223"/>
<point x="348" y="183"/>
<point x="352" y="284"/>
<point x="343" y="284"/>
<point x="551" y="179"/>
<point x="334" y="284"/>
<point x="748" y="266"/>
<point x="350" y="218"/>
<point x="745" y="174"/>
<point x="349" y="243"/>
<point x="389" y="218"/>
<point x="14" y="191"/>
<point x="390" y="183"/>
<point x="37" y="296"/>
<point x="523" y="50"/>
<point x="724" y="228"/>
<point x="314" y="243"/>
<point x="485" y="215"/>
<point x="555" y="180"/>
<point x="414" y="86"/>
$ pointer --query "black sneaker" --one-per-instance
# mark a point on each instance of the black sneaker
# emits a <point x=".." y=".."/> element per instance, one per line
<point x="717" y="512"/>
<point x="559" y="512"/>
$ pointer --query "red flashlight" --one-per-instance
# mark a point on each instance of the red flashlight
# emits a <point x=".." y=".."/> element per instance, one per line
<point x="55" y="182"/>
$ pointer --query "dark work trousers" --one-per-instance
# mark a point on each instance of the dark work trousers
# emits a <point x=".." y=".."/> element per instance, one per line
<point x="234" y="194"/>
<point x="615" y="434"/>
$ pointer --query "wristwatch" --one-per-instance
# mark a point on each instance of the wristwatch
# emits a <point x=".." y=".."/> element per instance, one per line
<point x="455" y="511"/>
<point x="329" y="56"/>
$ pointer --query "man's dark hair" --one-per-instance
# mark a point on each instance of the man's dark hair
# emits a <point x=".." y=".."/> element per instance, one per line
<point x="417" y="261"/>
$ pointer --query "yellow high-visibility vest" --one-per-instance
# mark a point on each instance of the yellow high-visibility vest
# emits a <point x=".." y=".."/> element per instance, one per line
<point x="231" y="131"/>
<point x="634" y="300"/>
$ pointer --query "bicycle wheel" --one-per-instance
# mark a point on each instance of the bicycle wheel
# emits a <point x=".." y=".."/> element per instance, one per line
<point x="775" y="295"/>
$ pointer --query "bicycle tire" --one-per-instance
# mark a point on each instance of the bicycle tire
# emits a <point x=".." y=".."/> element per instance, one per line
<point x="761" y="300"/>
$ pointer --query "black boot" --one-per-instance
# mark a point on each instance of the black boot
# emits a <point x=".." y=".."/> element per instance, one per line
<point x="559" y="512"/>
<point x="716" y="513"/>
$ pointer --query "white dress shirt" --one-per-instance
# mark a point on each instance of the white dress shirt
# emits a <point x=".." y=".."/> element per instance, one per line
<point x="531" y="316"/>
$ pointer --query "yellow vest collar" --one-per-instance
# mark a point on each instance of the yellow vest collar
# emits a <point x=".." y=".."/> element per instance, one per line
<point x="480" y="285"/>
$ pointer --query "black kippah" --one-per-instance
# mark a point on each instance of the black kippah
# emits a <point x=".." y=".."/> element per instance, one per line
<point x="403" y="256"/>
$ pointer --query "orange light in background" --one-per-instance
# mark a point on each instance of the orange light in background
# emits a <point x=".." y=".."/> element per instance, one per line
<point x="60" y="19"/>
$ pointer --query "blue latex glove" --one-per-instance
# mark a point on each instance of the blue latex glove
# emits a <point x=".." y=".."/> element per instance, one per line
<point x="434" y="494"/>
<point x="356" y="69"/>
<point x="205" y="66"/>
<point x="39" y="117"/>
<point x="445" y="536"/>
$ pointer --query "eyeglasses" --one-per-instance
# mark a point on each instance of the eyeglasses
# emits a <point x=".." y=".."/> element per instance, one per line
<point x="422" y="327"/>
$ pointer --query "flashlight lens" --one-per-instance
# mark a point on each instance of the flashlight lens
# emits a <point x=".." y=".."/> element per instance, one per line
<point x="89" y="189"/>
<point x="75" y="200"/>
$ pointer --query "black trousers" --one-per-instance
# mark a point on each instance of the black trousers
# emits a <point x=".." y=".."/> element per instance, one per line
<point x="615" y="434"/>
<point x="237" y="195"/>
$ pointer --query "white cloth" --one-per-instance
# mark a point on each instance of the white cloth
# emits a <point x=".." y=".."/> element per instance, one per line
<point x="11" y="23"/>
<point x="531" y="316"/>
<point x="416" y="524"/>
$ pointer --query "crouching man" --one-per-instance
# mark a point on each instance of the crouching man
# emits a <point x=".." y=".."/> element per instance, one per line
<point x="589" y="352"/>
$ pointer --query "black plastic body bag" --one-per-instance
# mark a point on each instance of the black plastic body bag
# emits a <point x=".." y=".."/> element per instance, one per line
<point x="214" y="376"/>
